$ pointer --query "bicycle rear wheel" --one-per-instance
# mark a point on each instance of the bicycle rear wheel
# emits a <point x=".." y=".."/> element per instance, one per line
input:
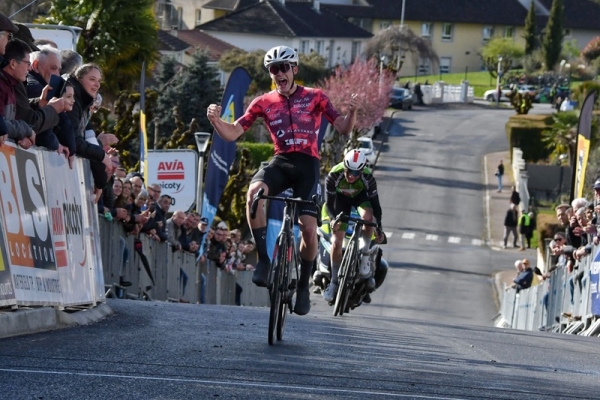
<point x="345" y="278"/>
<point x="276" y="293"/>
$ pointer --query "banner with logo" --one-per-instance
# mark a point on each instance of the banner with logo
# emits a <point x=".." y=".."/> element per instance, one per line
<point x="175" y="171"/>
<point x="27" y="228"/>
<point x="73" y="256"/>
<point x="594" y="280"/>
<point x="7" y="292"/>
<point x="91" y="230"/>
<point x="222" y="153"/>
<point x="584" y="132"/>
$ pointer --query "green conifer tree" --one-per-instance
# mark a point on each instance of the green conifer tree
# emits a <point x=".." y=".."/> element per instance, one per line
<point x="191" y="91"/>
<point x="530" y="30"/>
<point x="553" y="35"/>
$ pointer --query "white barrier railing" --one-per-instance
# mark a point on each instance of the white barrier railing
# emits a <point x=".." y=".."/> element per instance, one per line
<point x="562" y="303"/>
<point x="521" y="178"/>
<point x="440" y="92"/>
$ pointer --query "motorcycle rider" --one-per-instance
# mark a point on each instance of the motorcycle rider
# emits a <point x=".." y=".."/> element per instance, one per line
<point x="351" y="184"/>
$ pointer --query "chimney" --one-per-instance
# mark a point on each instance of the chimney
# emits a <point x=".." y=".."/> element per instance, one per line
<point x="317" y="5"/>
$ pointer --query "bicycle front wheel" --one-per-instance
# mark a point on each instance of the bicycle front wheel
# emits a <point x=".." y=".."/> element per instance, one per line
<point x="345" y="280"/>
<point x="279" y="264"/>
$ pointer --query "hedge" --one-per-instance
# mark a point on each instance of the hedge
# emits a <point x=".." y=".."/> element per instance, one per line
<point x="259" y="152"/>
<point x="525" y="132"/>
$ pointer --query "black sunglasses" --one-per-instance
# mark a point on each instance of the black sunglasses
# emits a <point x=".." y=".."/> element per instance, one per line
<point x="275" y="68"/>
<point x="353" y="172"/>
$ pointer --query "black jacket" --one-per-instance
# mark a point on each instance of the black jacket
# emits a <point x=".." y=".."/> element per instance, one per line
<point x="35" y="84"/>
<point x="511" y="218"/>
<point x="78" y="117"/>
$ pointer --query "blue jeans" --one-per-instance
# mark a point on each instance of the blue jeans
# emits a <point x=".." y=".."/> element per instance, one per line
<point x="499" y="182"/>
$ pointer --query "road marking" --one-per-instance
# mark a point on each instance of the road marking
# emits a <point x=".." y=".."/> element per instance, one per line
<point x="431" y="237"/>
<point x="477" y="242"/>
<point x="408" y="235"/>
<point x="230" y="383"/>
<point x="454" y="239"/>
<point x="389" y="234"/>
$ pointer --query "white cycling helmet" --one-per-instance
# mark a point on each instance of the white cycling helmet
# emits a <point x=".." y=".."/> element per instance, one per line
<point x="281" y="54"/>
<point x="355" y="160"/>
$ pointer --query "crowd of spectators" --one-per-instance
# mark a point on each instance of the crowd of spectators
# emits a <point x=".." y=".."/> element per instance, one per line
<point x="57" y="118"/>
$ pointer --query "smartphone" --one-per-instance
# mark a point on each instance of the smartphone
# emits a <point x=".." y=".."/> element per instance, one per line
<point x="57" y="83"/>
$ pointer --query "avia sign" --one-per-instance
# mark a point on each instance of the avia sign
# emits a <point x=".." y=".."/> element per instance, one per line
<point x="176" y="173"/>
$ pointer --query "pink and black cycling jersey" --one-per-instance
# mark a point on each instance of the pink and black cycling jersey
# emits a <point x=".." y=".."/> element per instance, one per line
<point x="293" y="122"/>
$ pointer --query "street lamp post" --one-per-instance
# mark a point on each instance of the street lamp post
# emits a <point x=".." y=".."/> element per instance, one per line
<point x="498" y="88"/>
<point x="402" y="14"/>
<point x="381" y="60"/>
<point x="562" y="64"/>
<point x="202" y="139"/>
<point x="568" y="67"/>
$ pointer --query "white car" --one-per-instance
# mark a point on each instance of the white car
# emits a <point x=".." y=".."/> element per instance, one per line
<point x="365" y="143"/>
<point x="491" y="94"/>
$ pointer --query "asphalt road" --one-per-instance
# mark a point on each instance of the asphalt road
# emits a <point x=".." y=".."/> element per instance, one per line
<point x="427" y="334"/>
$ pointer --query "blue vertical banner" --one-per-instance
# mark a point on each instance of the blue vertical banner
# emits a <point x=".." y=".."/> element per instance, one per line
<point x="222" y="153"/>
<point x="143" y="133"/>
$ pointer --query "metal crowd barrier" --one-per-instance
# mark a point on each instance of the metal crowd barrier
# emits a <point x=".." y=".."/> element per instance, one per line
<point x="167" y="268"/>
<point x="548" y="306"/>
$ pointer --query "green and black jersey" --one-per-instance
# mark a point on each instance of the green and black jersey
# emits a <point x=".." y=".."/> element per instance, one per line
<point x="364" y="189"/>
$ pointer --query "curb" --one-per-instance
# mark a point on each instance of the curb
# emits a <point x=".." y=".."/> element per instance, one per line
<point x="386" y="133"/>
<point x="25" y="322"/>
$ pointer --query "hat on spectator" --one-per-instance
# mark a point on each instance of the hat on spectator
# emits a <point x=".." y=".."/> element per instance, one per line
<point x="222" y="225"/>
<point x="7" y="25"/>
<point x="25" y="35"/>
<point x="597" y="184"/>
<point x="204" y="220"/>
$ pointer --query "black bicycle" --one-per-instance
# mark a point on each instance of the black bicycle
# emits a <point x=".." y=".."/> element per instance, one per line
<point x="349" y="267"/>
<point x="282" y="287"/>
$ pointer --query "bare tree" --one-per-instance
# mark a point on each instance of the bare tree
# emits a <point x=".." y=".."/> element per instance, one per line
<point x="396" y="42"/>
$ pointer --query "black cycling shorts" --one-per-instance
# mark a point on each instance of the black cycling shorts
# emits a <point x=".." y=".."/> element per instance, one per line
<point x="344" y="204"/>
<point x="297" y="171"/>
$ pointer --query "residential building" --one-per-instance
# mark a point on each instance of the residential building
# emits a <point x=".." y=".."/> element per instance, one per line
<point x="304" y="25"/>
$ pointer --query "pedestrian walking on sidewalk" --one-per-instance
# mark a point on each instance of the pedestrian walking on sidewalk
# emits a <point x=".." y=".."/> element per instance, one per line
<point x="510" y="224"/>
<point x="524" y="229"/>
<point x="499" y="174"/>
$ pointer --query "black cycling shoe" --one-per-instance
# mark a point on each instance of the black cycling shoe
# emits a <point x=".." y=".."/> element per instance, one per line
<point x="367" y="299"/>
<point x="261" y="274"/>
<point x="302" y="306"/>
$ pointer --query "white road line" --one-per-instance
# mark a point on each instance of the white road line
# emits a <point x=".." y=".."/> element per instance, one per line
<point x="229" y="383"/>
<point x="477" y="242"/>
<point x="389" y="234"/>
<point x="454" y="239"/>
<point x="431" y="237"/>
<point x="408" y="235"/>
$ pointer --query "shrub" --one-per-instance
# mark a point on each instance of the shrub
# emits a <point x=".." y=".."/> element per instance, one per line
<point x="525" y="132"/>
<point x="259" y="152"/>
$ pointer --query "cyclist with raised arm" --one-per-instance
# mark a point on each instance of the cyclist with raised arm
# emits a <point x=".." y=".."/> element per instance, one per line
<point x="351" y="184"/>
<point x="292" y="114"/>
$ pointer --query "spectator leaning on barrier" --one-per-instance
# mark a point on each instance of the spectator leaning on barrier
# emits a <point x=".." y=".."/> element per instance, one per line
<point x="524" y="277"/>
<point x="175" y="228"/>
<point x="14" y="72"/>
<point x="217" y="252"/>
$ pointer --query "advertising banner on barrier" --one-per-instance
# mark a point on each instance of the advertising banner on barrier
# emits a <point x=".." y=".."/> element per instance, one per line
<point x="65" y="202"/>
<point x="92" y="231"/>
<point x="594" y="280"/>
<point x="176" y="173"/>
<point x="27" y="228"/>
<point x="7" y="292"/>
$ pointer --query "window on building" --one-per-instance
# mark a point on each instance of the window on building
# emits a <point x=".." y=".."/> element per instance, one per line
<point x="319" y="47"/>
<point x="384" y="24"/>
<point x="331" y="56"/>
<point x="509" y="31"/>
<point x="426" y="29"/>
<point x="445" y="65"/>
<point x="355" y="50"/>
<point x="567" y="32"/>
<point x="447" y="31"/>
<point x="488" y="33"/>
<point x="198" y="17"/>
<point x="423" y="67"/>
<point x="304" y="46"/>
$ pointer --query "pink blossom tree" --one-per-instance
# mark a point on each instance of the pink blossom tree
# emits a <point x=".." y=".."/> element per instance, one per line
<point x="373" y="89"/>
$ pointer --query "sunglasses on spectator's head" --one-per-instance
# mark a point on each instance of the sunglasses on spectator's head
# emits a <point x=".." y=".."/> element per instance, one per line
<point x="275" y="68"/>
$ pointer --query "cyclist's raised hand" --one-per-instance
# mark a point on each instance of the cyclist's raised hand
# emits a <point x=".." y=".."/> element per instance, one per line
<point x="213" y="112"/>
<point x="353" y="102"/>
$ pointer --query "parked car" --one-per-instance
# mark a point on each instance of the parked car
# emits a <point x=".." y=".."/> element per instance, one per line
<point x="365" y="143"/>
<point x="401" y="98"/>
<point x="532" y="90"/>
<point x="491" y="94"/>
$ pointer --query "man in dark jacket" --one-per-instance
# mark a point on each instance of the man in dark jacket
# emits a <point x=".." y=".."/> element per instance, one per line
<point x="515" y="198"/>
<point x="510" y="224"/>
